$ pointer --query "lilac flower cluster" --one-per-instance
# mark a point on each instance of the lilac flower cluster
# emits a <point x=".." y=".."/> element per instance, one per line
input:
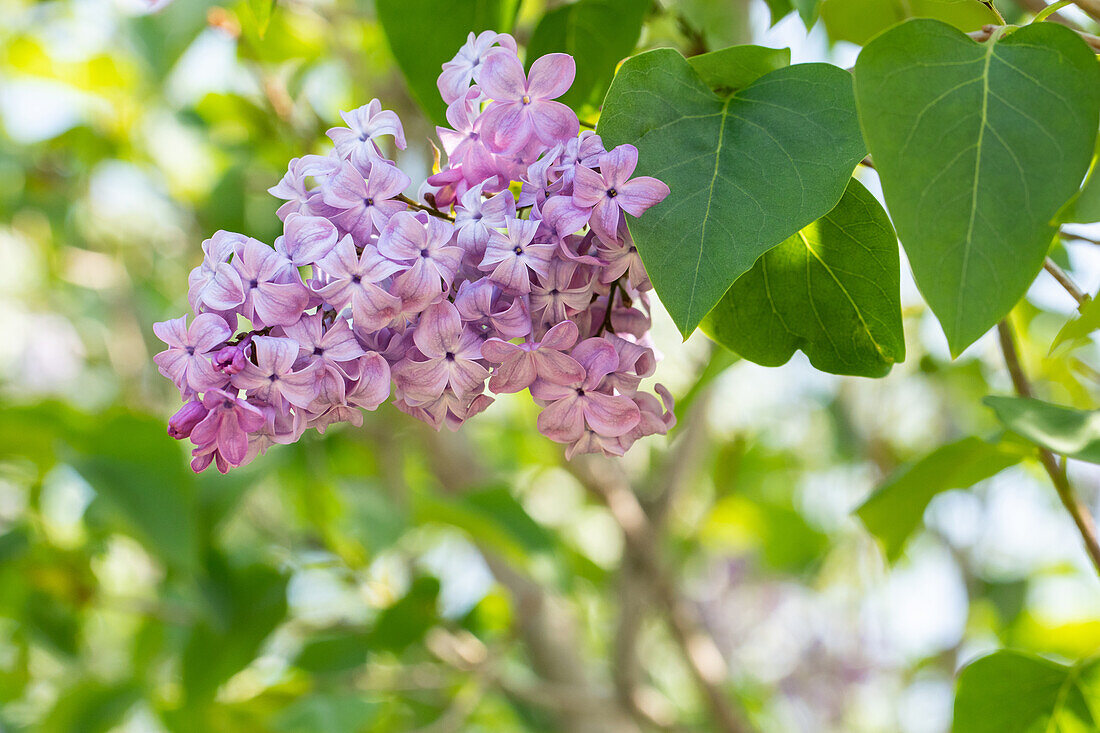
<point x="512" y="270"/>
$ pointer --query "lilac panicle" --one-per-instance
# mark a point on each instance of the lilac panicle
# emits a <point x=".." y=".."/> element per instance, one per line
<point x="439" y="302"/>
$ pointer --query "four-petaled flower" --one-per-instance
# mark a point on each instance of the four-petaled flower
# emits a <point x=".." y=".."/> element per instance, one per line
<point x="451" y="352"/>
<point x="273" y="379"/>
<point x="611" y="190"/>
<point x="187" y="360"/>
<point x="356" y="142"/>
<point x="523" y="106"/>
<point x="522" y="364"/>
<point x="512" y="257"/>
<point x="365" y="204"/>
<point x="352" y="279"/>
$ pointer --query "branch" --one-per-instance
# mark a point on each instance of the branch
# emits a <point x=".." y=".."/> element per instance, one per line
<point x="1039" y="6"/>
<point x="1065" y="281"/>
<point x="424" y="207"/>
<point x="1091" y="8"/>
<point x="1086" y="525"/>
<point x="704" y="659"/>
<point x="988" y="32"/>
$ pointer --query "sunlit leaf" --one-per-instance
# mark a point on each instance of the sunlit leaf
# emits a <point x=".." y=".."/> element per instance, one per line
<point x="745" y="172"/>
<point x="977" y="146"/>
<point x="859" y="21"/>
<point x="1016" y="692"/>
<point x="1063" y="430"/>
<point x="895" y="510"/>
<point x="831" y="290"/>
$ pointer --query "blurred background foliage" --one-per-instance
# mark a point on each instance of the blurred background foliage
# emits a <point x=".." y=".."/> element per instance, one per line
<point x="393" y="579"/>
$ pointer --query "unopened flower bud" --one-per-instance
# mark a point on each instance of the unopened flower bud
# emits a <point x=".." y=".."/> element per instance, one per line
<point x="184" y="421"/>
<point x="231" y="359"/>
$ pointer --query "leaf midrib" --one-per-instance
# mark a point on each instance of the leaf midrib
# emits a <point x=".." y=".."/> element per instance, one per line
<point x="710" y="200"/>
<point x="968" y="245"/>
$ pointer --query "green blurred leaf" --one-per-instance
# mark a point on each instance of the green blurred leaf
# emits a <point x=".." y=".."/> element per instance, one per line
<point x="331" y="712"/>
<point x="785" y="145"/>
<point x="1063" y="430"/>
<point x="859" y="21"/>
<point x="734" y="68"/>
<point x="976" y="156"/>
<point x="425" y="34"/>
<point x="1084" y="208"/>
<point x="832" y="290"/>
<point x="895" y="509"/>
<point x="1014" y="692"/>
<point x="336" y="651"/>
<point x="90" y="707"/>
<point x="490" y="515"/>
<point x="261" y="11"/>
<point x="598" y="34"/>
<point x="1078" y="329"/>
<point x="406" y="621"/>
<point x="246" y="604"/>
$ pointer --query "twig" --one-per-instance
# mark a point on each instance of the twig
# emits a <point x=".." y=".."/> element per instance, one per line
<point x="704" y="659"/>
<point x="586" y="124"/>
<point x="1080" y="238"/>
<point x="1065" y="281"/>
<point x="989" y="31"/>
<point x="1086" y="525"/>
<point x="424" y="207"/>
<point x="1091" y="8"/>
<point x="1039" y="6"/>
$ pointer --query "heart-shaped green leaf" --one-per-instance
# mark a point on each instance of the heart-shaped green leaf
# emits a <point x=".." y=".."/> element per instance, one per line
<point x="831" y="290"/>
<point x="978" y="147"/>
<point x="1064" y="430"/>
<point x="745" y="172"/>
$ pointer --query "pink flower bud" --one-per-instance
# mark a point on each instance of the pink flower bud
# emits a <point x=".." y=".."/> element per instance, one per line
<point x="186" y="418"/>
<point x="231" y="359"/>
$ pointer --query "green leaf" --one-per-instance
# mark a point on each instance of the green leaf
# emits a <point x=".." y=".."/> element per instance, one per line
<point x="745" y="172"/>
<point x="832" y="290"/>
<point x="406" y="621"/>
<point x="1063" y="430"/>
<point x="895" y="509"/>
<point x="90" y="707"/>
<point x="598" y="34"/>
<point x="247" y="603"/>
<point x="331" y="712"/>
<point x="334" y="652"/>
<point x="978" y="146"/>
<point x="736" y="67"/>
<point x="779" y="9"/>
<point x="1078" y="329"/>
<point x="425" y="34"/>
<point x="1014" y="692"/>
<point x="859" y="21"/>
<point x="1084" y="208"/>
<point x="261" y="13"/>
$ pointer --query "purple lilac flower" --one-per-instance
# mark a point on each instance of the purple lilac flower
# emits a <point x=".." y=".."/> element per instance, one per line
<point x="523" y="106"/>
<point x="511" y="258"/>
<point x="356" y="142"/>
<point x="365" y="204"/>
<point x="186" y="361"/>
<point x="467" y="65"/>
<point x="352" y="280"/>
<point x="579" y="403"/>
<point x="404" y="302"/>
<point x="451" y="353"/>
<point x="611" y="190"/>
<point x="274" y="292"/>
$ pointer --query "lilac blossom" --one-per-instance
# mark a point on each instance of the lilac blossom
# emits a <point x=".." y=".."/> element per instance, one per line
<point x="611" y="190"/>
<point x="512" y="257"/>
<point x="467" y="65"/>
<point x="523" y="106"/>
<point x="356" y="142"/>
<point x="451" y="353"/>
<point x="273" y="378"/>
<point x="414" y="300"/>
<point x="579" y="403"/>
<point x="187" y="361"/>
<point x="365" y="204"/>
<point x="353" y="280"/>
<point x="274" y="292"/>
